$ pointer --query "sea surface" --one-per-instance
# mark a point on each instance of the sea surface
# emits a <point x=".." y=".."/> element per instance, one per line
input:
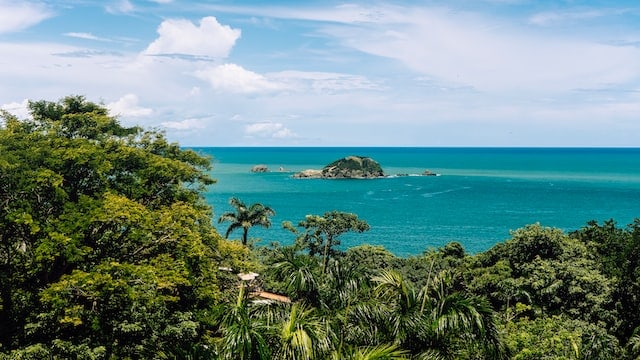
<point x="480" y="196"/>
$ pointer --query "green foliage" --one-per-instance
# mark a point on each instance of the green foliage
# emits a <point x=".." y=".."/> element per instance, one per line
<point x="350" y="167"/>
<point x="108" y="251"/>
<point x="547" y="268"/>
<point x="618" y="252"/>
<point x="302" y="335"/>
<point x="246" y="217"/>
<point x="106" y="244"/>
<point x="242" y="335"/>
<point x="320" y="233"/>
<point x="607" y="242"/>
<point x="382" y="352"/>
<point x="558" y="337"/>
<point x="371" y="259"/>
<point x="437" y="319"/>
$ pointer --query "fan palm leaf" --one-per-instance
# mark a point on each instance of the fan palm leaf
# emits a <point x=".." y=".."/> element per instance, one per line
<point x="246" y="217"/>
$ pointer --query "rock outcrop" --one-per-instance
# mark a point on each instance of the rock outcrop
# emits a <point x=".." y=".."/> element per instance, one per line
<point x="308" y="174"/>
<point x="260" y="169"/>
<point x="350" y="167"/>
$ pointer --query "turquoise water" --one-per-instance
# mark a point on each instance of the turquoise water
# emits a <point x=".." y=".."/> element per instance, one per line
<point x="481" y="195"/>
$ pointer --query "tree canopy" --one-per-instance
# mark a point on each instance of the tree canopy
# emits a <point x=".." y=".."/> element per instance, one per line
<point x="108" y="251"/>
<point x="106" y="244"/>
<point x="245" y="217"/>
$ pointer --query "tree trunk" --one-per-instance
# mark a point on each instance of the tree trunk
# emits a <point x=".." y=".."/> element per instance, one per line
<point x="325" y="256"/>
<point x="245" y="233"/>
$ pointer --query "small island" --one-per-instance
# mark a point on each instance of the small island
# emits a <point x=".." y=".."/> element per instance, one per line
<point x="350" y="167"/>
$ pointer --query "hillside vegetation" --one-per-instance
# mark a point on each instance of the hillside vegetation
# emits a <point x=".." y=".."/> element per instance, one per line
<point x="108" y="251"/>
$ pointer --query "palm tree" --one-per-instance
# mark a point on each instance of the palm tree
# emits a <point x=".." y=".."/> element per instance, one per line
<point x="463" y="319"/>
<point x="245" y="217"/>
<point x="302" y="335"/>
<point x="633" y="345"/>
<point x="298" y="273"/>
<point x="347" y="297"/>
<point x="407" y="324"/>
<point x="381" y="352"/>
<point x="438" y="320"/>
<point x="242" y="334"/>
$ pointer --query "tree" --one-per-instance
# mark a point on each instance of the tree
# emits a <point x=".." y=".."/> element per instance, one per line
<point x="382" y="352"/>
<point x="321" y="233"/>
<point x="438" y="320"/>
<point x="298" y="273"/>
<point x="242" y="335"/>
<point x="246" y="217"/>
<point x="553" y="271"/>
<point x="106" y="242"/>
<point x="302" y="335"/>
<point x="558" y="337"/>
<point x="618" y="253"/>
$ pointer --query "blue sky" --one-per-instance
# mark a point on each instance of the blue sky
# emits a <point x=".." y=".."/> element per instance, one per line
<point x="328" y="73"/>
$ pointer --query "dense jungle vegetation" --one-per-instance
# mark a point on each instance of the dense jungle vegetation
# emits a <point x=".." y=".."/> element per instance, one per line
<point x="108" y="251"/>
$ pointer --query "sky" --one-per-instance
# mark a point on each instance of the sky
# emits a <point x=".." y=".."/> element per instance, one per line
<point x="331" y="73"/>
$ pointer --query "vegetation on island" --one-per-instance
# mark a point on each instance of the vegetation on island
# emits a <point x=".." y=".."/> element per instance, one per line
<point x="350" y="167"/>
<point x="353" y="167"/>
<point x="108" y="250"/>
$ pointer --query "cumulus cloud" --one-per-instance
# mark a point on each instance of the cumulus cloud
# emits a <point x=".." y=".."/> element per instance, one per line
<point x="182" y="37"/>
<point x="187" y="124"/>
<point x="19" y="109"/>
<point x="269" y="130"/>
<point x="128" y="106"/>
<point x="19" y="15"/>
<point x="234" y="78"/>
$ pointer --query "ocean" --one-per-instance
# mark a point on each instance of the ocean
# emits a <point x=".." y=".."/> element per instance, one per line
<point x="480" y="196"/>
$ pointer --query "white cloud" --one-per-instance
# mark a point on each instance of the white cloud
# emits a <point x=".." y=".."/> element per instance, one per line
<point x="344" y="13"/>
<point x="19" y="109"/>
<point x="187" y="124"/>
<point x="465" y="49"/>
<point x="234" y="78"/>
<point x="269" y="130"/>
<point x="120" y="7"/>
<point x="19" y="15"/>
<point x="85" y="36"/>
<point x="405" y="76"/>
<point x="324" y="82"/>
<point x="128" y="106"/>
<point x="182" y="37"/>
<point x="555" y="17"/>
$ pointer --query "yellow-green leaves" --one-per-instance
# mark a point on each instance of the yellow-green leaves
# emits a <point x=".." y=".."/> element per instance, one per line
<point x="105" y="239"/>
